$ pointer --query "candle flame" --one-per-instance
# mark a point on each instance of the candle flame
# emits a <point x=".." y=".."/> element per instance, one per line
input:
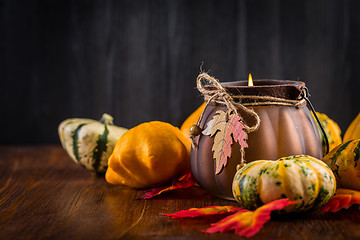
<point x="250" y="81"/>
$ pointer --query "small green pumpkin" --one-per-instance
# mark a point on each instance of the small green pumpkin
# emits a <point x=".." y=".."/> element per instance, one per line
<point x="344" y="160"/>
<point x="301" y="178"/>
<point x="90" y="142"/>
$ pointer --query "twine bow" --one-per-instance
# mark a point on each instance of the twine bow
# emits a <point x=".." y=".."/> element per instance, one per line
<point x="221" y="95"/>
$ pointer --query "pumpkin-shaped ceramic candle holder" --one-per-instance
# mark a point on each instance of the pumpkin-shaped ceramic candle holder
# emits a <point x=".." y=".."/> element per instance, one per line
<point x="284" y="130"/>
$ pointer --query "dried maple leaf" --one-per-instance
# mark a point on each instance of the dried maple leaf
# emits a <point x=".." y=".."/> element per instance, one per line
<point x="205" y="211"/>
<point x="182" y="182"/>
<point x="243" y="221"/>
<point x="248" y="223"/>
<point x="343" y="199"/>
<point x="226" y="128"/>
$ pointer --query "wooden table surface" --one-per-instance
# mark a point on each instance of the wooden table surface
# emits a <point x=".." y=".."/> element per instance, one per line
<point x="45" y="195"/>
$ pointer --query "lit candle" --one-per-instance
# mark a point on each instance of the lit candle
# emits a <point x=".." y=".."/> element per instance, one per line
<point x="250" y="80"/>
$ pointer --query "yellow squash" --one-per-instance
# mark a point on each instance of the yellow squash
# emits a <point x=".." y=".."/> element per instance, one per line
<point x="148" y="155"/>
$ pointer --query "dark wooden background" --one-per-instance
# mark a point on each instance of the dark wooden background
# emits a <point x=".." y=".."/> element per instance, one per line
<point x="138" y="60"/>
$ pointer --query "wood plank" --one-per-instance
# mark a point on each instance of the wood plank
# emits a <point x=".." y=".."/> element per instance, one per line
<point x="45" y="195"/>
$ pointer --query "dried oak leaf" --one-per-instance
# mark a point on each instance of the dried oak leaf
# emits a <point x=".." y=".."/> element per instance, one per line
<point x="227" y="128"/>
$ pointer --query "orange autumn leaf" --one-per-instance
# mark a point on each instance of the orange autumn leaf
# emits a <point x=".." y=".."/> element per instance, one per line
<point x="226" y="128"/>
<point x="185" y="181"/>
<point x="244" y="222"/>
<point x="343" y="199"/>
<point x="205" y="211"/>
<point x="248" y="223"/>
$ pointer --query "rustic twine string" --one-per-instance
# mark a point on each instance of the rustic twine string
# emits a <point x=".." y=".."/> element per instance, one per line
<point x="221" y="96"/>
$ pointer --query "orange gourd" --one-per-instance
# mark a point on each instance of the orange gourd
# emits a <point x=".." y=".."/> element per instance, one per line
<point x="191" y="120"/>
<point x="332" y="130"/>
<point x="353" y="131"/>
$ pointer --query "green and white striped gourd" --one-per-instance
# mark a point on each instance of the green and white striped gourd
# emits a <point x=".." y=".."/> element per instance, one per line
<point x="90" y="142"/>
<point x="306" y="180"/>
<point x="344" y="160"/>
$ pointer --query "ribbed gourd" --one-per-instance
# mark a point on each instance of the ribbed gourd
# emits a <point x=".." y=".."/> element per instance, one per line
<point x="300" y="178"/>
<point x="90" y="142"/>
<point x="344" y="160"/>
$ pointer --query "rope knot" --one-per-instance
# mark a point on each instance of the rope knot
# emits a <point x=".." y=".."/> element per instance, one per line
<point x="221" y="95"/>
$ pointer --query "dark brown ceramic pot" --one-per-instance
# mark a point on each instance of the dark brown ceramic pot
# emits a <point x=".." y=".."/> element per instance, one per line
<point x="283" y="131"/>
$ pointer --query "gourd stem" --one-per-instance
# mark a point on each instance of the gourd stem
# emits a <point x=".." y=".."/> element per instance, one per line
<point x="106" y="119"/>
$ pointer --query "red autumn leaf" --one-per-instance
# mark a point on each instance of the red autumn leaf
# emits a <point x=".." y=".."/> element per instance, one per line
<point x="205" y="211"/>
<point x="183" y="182"/>
<point x="226" y="128"/>
<point x="248" y="223"/>
<point x="343" y="199"/>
